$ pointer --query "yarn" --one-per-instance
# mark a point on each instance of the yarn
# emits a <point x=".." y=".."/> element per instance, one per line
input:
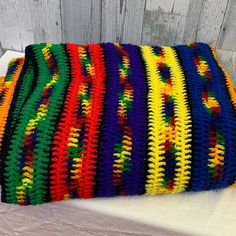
<point x="102" y="120"/>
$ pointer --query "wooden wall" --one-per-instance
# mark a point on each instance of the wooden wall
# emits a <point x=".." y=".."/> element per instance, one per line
<point x="23" y="22"/>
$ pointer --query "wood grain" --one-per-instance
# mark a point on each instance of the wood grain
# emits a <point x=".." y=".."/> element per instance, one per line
<point x="164" y="23"/>
<point x="211" y="21"/>
<point x="15" y="24"/>
<point x="1" y="50"/>
<point x="122" y="20"/>
<point x="192" y="20"/>
<point x="46" y="20"/>
<point x="28" y="21"/>
<point x="228" y="60"/>
<point x="183" y="21"/>
<point x="81" y="21"/>
<point x="151" y="22"/>
<point x="228" y="31"/>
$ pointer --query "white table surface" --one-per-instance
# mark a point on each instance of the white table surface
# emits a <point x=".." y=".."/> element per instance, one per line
<point x="202" y="213"/>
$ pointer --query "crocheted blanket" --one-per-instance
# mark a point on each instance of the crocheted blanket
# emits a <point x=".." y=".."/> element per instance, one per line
<point x="101" y="120"/>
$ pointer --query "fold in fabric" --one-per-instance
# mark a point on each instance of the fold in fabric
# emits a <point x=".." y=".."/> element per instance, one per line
<point x="103" y="120"/>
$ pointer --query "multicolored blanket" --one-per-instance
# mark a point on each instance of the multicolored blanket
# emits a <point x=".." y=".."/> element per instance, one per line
<point x="101" y="120"/>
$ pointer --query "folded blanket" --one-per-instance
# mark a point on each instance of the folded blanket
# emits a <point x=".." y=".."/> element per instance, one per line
<point x="101" y="120"/>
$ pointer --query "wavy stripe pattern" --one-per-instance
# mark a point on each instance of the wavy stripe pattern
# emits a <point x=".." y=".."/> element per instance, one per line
<point x="102" y="120"/>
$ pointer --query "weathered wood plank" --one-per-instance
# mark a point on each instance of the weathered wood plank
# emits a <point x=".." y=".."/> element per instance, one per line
<point x="164" y="22"/>
<point x="211" y="20"/>
<point x="1" y="49"/>
<point x="204" y="20"/>
<point x="192" y="20"/>
<point x="81" y="20"/>
<point x="171" y="6"/>
<point x="181" y="21"/>
<point x="46" y="20"/>
<point x="228" y="60"/>
<point x="15" y="24"/>
<point x="27" y="21"/>
<point x="228" y="32"/>
<point x="122" y="20"/>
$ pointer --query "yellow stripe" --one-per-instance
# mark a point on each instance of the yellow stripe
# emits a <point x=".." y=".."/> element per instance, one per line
<point x="156" y="126"/>
<point x="183" y="122"/>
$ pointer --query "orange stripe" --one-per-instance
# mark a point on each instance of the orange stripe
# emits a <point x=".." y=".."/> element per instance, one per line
<point x="229" y="82"/>
<point x="10" y="86"/>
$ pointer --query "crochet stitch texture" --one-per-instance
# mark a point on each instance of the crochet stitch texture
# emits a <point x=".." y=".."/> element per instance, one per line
<point x="102" y="120"/>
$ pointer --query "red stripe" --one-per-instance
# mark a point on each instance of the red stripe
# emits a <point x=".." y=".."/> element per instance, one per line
<point x="58" y="179"/>
<point x="93" y="122"/>
<point x="59" y="152"/>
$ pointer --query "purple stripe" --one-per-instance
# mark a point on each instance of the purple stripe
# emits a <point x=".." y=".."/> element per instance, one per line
<point x="109" y="129"/>
<point x="134" y="181"/>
